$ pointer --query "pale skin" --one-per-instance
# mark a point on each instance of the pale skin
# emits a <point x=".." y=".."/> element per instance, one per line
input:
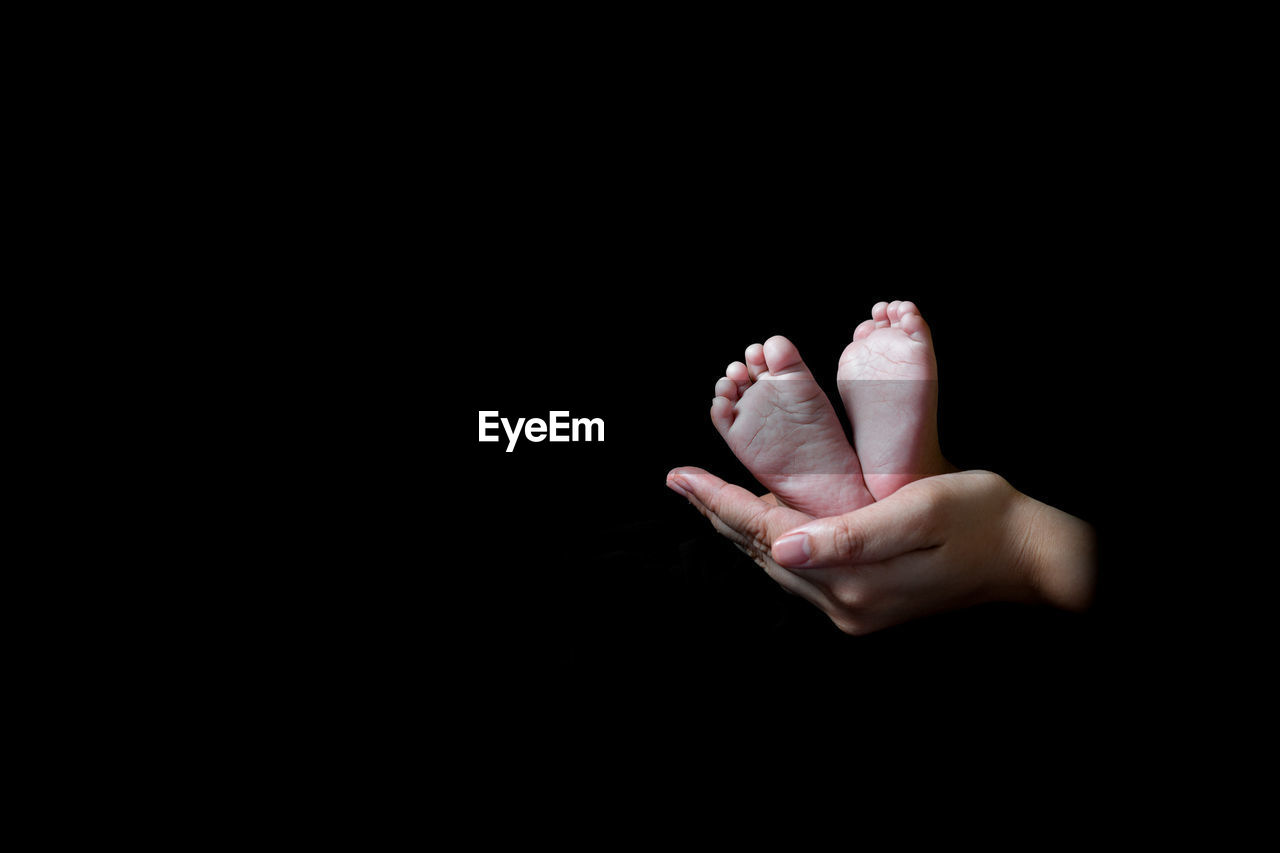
<point x="781" y="425"/>
<point x="938" y="543"/>
<point x="884" y="530"/>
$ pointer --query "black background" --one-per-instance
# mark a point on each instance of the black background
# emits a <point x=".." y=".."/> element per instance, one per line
<point x="587" y="584"/>
<point x="605" y="244"/>
<point x="610" y="266"/>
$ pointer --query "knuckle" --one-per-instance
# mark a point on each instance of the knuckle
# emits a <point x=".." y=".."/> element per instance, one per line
<point x="851" y="596"/>
<point x="759" y="523"/>
<point x="991" y="478"/>
<point x="714" y="497"/>
<point x="847" y="541"/>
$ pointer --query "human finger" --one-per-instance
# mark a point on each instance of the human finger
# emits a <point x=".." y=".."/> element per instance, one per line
<point x="905" y="521"/>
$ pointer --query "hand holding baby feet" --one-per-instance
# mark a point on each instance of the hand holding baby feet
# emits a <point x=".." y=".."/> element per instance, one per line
<point x="781" y="425"/>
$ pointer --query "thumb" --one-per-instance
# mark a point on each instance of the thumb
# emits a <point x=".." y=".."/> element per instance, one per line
<point x="902" y="522"/>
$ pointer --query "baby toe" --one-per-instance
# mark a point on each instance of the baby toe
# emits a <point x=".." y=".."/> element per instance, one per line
<point x="865" y="328"/>
<point x="722" y="415"/>
<point x="781" y="356"/>
<point x="739" y="375"/>
<point x="755" y="361"/>
<point x="913" y="324"/>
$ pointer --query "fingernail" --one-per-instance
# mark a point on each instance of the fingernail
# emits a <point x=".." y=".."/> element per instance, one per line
<point x="674" y="484"/>
<point x="792" y="550"/>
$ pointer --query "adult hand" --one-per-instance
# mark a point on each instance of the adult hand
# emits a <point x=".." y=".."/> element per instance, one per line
<point x="940" y="543"/>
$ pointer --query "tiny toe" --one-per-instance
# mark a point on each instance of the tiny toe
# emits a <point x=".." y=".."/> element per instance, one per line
<point x="739" y="375"/>
<point x="865" y="328"/>
<point x="727" y="388"/>
<point x="722" y="414"/>
<point x="913" y="324"/>
<point x="755" y="361"/>
<point x="782" y="357"/>
<point x="880" y="312"/>
<point x="906" y="308"/>
<point x="893" y="312"/>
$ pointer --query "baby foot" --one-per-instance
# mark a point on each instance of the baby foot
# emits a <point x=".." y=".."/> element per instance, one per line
<point x="781" y="425"/>
<point x="888" y="379"/>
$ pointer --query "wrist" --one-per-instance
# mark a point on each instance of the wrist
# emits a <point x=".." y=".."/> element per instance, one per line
<point x="1059" y="556"/>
